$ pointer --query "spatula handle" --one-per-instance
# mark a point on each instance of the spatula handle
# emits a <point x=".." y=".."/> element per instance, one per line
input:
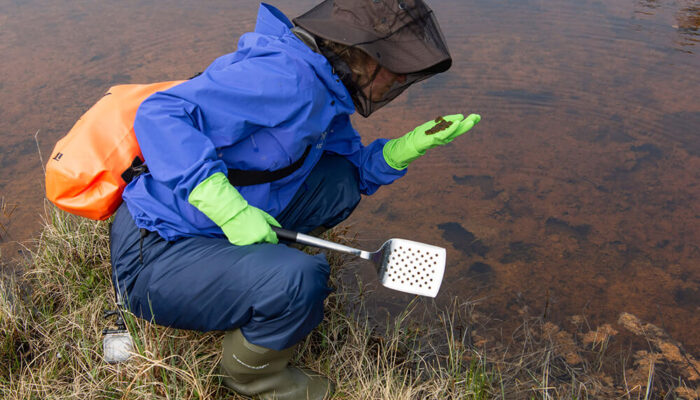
<point x="315" y="242"/>
<point x="285" y="234"/>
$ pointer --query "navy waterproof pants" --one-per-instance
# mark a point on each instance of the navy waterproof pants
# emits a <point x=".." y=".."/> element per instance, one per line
<point x="272" y="292"/>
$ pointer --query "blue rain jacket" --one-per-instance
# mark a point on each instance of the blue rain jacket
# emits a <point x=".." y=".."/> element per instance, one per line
<point x="258" y="108"/>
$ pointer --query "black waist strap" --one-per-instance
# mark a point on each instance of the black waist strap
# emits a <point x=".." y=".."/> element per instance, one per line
<point x="239" y="177"/>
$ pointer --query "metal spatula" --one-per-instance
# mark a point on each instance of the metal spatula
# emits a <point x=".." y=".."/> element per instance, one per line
<point x="401" y="264"/>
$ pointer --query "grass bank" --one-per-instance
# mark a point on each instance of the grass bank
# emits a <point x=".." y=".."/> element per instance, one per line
<point x="51" y="322"/>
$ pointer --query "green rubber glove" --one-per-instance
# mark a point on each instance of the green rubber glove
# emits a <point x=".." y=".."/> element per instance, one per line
<point x="400" y="152"/>
<point x="242" y="223"/>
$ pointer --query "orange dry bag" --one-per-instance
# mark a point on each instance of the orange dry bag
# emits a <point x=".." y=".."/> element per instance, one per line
<point x="84" y="174"/>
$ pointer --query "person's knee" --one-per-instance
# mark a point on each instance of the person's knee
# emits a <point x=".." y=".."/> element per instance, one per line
<point x="306" y="285"/>
<point x="289" y="298"/>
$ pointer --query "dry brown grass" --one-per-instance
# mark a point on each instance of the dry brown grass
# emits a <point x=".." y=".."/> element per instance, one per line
<point x="51" y="328"/>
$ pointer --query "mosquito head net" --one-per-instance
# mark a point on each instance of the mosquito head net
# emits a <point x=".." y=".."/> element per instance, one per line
<point x="402" y="36"/>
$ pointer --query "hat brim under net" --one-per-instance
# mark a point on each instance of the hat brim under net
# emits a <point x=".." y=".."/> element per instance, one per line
<point x="414" y="47"/>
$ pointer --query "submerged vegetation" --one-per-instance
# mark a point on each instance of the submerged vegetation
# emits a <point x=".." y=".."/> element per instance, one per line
<point x="6" y="211"/>
<point x="51" y="322"/>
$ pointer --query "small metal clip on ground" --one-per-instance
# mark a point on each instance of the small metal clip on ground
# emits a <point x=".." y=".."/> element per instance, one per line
<point x="117" y="344"/>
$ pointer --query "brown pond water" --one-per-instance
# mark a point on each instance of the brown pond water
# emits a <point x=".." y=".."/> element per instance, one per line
<point x="577" y="194"/>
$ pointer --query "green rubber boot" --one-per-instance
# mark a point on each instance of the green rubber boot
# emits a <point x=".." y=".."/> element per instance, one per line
<point x="252" y="370"/>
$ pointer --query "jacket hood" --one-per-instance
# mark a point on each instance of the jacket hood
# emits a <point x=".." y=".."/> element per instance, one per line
<point x="272" y="21"/>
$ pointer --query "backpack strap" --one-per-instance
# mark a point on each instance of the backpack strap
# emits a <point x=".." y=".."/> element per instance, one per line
<point x="137" y="168"/>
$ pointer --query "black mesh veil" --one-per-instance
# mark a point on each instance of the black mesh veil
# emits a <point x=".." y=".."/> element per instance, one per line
<point x="402" y="36"/>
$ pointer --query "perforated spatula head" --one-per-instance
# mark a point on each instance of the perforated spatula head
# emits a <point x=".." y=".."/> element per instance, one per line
<point x="410" y="267"/>
<point x="401" y="264"/>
